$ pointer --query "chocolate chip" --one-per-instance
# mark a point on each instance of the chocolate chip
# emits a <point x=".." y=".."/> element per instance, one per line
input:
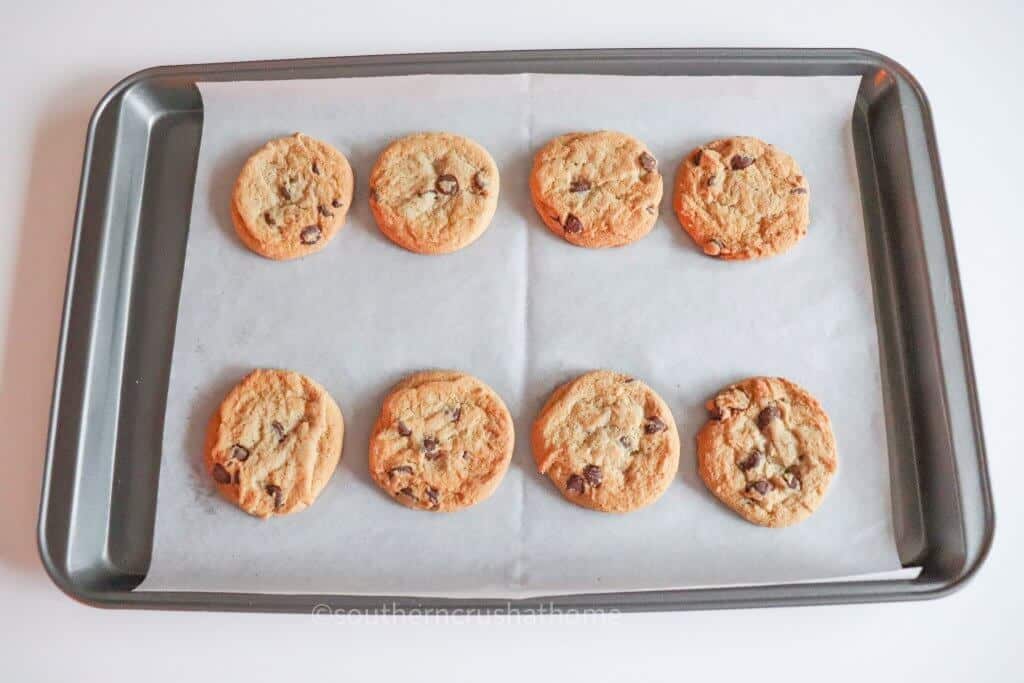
<point x="648" y="162"/>
<point x="711" y="180"/>
<point x="457" y="414"/>
<point x="337" y="203"/>
<point x="762" y="486"/>
<point x="268" y="218"/>
<point x="624" y="440"/>
<point x="284" y="192"/>
<point x="799" y="190"/>
<point x="324" y="211"/>
<point x="579" y="186"/>
<point x="435" y="455"/>
<point x="740" y="162"/>
<point x="716" y="413"/>
<point x="572" y="224"/>
<point x="629" y="380"/>
<point x="407" y="492"/>
<point x="696" y="157"/>
<point x="221" y="475"/>
<point x="239" y="452"/>
<point x="574" y="484"/>
<point x="310" y="234"/>
<point x="765" y="417"/>
<point x="403" y="430"/>
<point x="654" y="425"/>
<point x="480" y="180"/>
<point x="793" y="477"/>
<point x="275" y="493"/>
<point x="592" y="473"/>
<point x="316" y="169"/>
<point x="429" y="444"/>
<point x="447" y="184"/>
<point x="465" y="455"/>
<point x="751" y="461"/>
<point x="279" y="428"/>
<point x="401" y="469"/>
<point x="432" y="495"/>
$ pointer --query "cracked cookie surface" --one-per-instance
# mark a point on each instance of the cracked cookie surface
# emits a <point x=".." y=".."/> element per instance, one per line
<point x="274" y="442"/>
<point x="607" y="441"/>
<point x="434" y="193"/>
<point x="767" y="451"/>
<point x="291" y="197"/>
<point x="599" y="189"/>
<point x="442" y="442"/>
<point x="740" y="198"/>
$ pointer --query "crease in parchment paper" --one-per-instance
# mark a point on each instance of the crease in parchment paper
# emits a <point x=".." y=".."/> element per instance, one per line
<point x="524" y="311"/>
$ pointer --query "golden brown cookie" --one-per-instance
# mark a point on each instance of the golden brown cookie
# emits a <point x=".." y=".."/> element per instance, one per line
<point x="740" y="198"/>
<point x="443" y="441"/>
<point x="291" y="197"/>
<point x="598" y="189"/>
<point x="607" y="441"/>
<point x="274" y="442"/>
<point x="767" y="451"/>
<point x="434" y="193"/>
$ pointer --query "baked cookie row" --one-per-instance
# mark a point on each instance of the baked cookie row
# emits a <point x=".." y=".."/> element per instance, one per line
<point x="443" y="441"/>
<point x="434" y="193"/>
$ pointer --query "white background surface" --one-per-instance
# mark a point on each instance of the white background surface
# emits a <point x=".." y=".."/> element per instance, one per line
<point x="57" y="60"/>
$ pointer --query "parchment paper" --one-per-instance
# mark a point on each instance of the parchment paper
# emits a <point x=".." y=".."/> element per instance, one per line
<point x="524" y="311"/>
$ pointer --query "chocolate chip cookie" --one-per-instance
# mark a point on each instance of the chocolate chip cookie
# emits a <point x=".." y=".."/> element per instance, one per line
<point x="767" y="451"/>
<point x="607" y="441"/>
<point x="599" y="189"/>
<point x="442" y="442"/>
<point x="291" y="197"/>
<point x="274" y="442"/>
<point x="741" y="198"/>
<point x="434" y="193"/>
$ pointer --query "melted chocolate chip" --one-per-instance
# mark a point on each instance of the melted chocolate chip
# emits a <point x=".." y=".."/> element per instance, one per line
<point x="798" y="190"/>
<point x="407" y="492"/>
<point x="765" y="417"/>
<point x="403" y="430"/>
<point x="654" y="425"/>
<point x="624" y="440"/>
<point x="447" y="184"/>
<point x="268" y="218"/>
<point x="275" y="493"/>
<point x="793" y="477"/>
<point x="465" y="455"/>
<point x="337" y="203"/>
<point x="579" y="186"/>
<point x="762" y="486"/>
<point x="239" y="452"/>
<point x="316" y="168"/>
<point x="324" y="211"/>
<point x="310" y="234"/>
<point x="740" y="162"/>
<point x="457" y="414"/>
<point x="221" y="475"/>
<point x="573" y="224"/>
<point x="695" y="159"/>
<point x="401" y="469"/>
<point x="712" y="180"/>
<point x="429" y="444"/>
<point x="592" y="473"/>
<point x="574" y="484"/>
<point x="279" y="428"/>
<point x="647" y="162"/>
<point x="432" y="495"/>
<point x="751" y="461"/>
<point x="716" y="413"/>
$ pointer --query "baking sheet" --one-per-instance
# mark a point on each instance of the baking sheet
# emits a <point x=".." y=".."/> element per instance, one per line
<point x="524" y="311"/>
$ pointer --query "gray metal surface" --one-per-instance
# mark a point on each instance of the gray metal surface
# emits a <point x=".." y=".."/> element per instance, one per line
<point x="103" y="456"/>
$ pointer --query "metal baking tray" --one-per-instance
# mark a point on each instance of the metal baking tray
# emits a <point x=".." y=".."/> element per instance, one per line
<point x="103" y="454"/>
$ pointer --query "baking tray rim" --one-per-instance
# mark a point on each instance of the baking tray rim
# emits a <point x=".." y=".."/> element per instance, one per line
<point x="189" y="600"/>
